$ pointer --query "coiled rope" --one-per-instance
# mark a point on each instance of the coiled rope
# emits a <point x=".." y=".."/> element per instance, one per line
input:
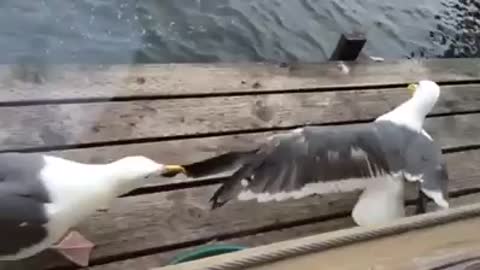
<point x="341" y="238"/>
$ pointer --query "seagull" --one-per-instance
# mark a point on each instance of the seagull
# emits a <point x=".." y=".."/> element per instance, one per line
<point x="379" y="158"/>
<point x="43" y="196"/>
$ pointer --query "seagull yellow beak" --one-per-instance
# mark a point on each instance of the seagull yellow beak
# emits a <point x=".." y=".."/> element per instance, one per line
<point x="172" y="170"/>
<point x="411" y="88"/>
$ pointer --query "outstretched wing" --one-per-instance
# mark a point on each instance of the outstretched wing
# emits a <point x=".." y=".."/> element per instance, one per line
<point x="311" y="160"/>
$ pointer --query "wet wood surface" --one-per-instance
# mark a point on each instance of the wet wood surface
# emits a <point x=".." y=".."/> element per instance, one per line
<point x="43" y="82"/>
<point x="448" y="245"/>
<point x="450" y="132"/>
<point x="184" y="113"/>
<point x="60" y="125"/>
<point x="160" y="221"/>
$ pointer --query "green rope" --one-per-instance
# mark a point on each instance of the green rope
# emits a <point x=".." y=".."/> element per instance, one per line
<point x="205" y="251"/>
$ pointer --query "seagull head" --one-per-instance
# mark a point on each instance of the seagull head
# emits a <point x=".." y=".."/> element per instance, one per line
<point x="425" y="89"/>
<point x="425" y="94"/>
<point x="132" y="172"/>
<point x="138" y="167"/>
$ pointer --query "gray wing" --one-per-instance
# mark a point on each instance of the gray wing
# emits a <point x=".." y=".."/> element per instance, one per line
<point x="288" y="164"/>
<point x="424" y="163"/>
<point x="22" y="199"/>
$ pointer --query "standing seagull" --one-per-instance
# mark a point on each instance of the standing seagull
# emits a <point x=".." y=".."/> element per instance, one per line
<point x="377" y="157"/>
<point x="42" y="197"/>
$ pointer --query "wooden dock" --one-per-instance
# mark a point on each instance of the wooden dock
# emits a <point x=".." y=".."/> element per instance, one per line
<point x="177" y="113"/>
<point x="446" y="240"/>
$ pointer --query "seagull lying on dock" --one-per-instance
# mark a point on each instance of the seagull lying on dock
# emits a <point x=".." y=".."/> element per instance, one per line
<point x="377" y="157"/>
<point x="42" y="197"/>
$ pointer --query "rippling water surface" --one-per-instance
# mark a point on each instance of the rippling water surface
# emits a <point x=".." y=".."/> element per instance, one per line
<point x="126" y="31"/>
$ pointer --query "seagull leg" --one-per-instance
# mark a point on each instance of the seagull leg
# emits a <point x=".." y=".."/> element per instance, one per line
<point x="75" y="247"/>
<point x="421" y="203"/>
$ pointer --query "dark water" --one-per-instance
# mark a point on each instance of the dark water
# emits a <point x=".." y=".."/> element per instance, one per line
<point x="127" y="31"/>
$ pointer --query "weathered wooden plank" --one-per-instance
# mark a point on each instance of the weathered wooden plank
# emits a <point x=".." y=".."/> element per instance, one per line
<point x="463" y="170"/>
<point x="71" y="124"/>
<point x="164" y="258"/>
<point x="162" y="220"/>
<point x="432" y="248"/>
<point x="450" y="132"/>
<point x="56" y="82"/>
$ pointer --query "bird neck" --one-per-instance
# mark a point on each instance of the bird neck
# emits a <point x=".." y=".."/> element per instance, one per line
<point x="120" y="179"/>
<point x="411" y="113"/>
<point x="111" y="176"/>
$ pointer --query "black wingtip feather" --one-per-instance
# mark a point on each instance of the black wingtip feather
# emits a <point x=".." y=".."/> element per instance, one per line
<point x="215" y="164"/>
<point x="231" y="184"/>
<point x="216" y="204"/>
<point x="215" y="198"/>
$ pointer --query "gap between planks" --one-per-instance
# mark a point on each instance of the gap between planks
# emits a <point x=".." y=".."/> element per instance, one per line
<point x="473" y="83"/>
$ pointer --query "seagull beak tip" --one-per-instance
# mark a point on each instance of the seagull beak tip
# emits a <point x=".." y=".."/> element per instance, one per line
<point x="173" y="170"/>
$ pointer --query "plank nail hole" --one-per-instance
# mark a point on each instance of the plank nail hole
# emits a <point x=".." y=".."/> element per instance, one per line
<point x="449" y="103"/>
<point x="141" y="80"/>
<point x="96" y="129"/>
